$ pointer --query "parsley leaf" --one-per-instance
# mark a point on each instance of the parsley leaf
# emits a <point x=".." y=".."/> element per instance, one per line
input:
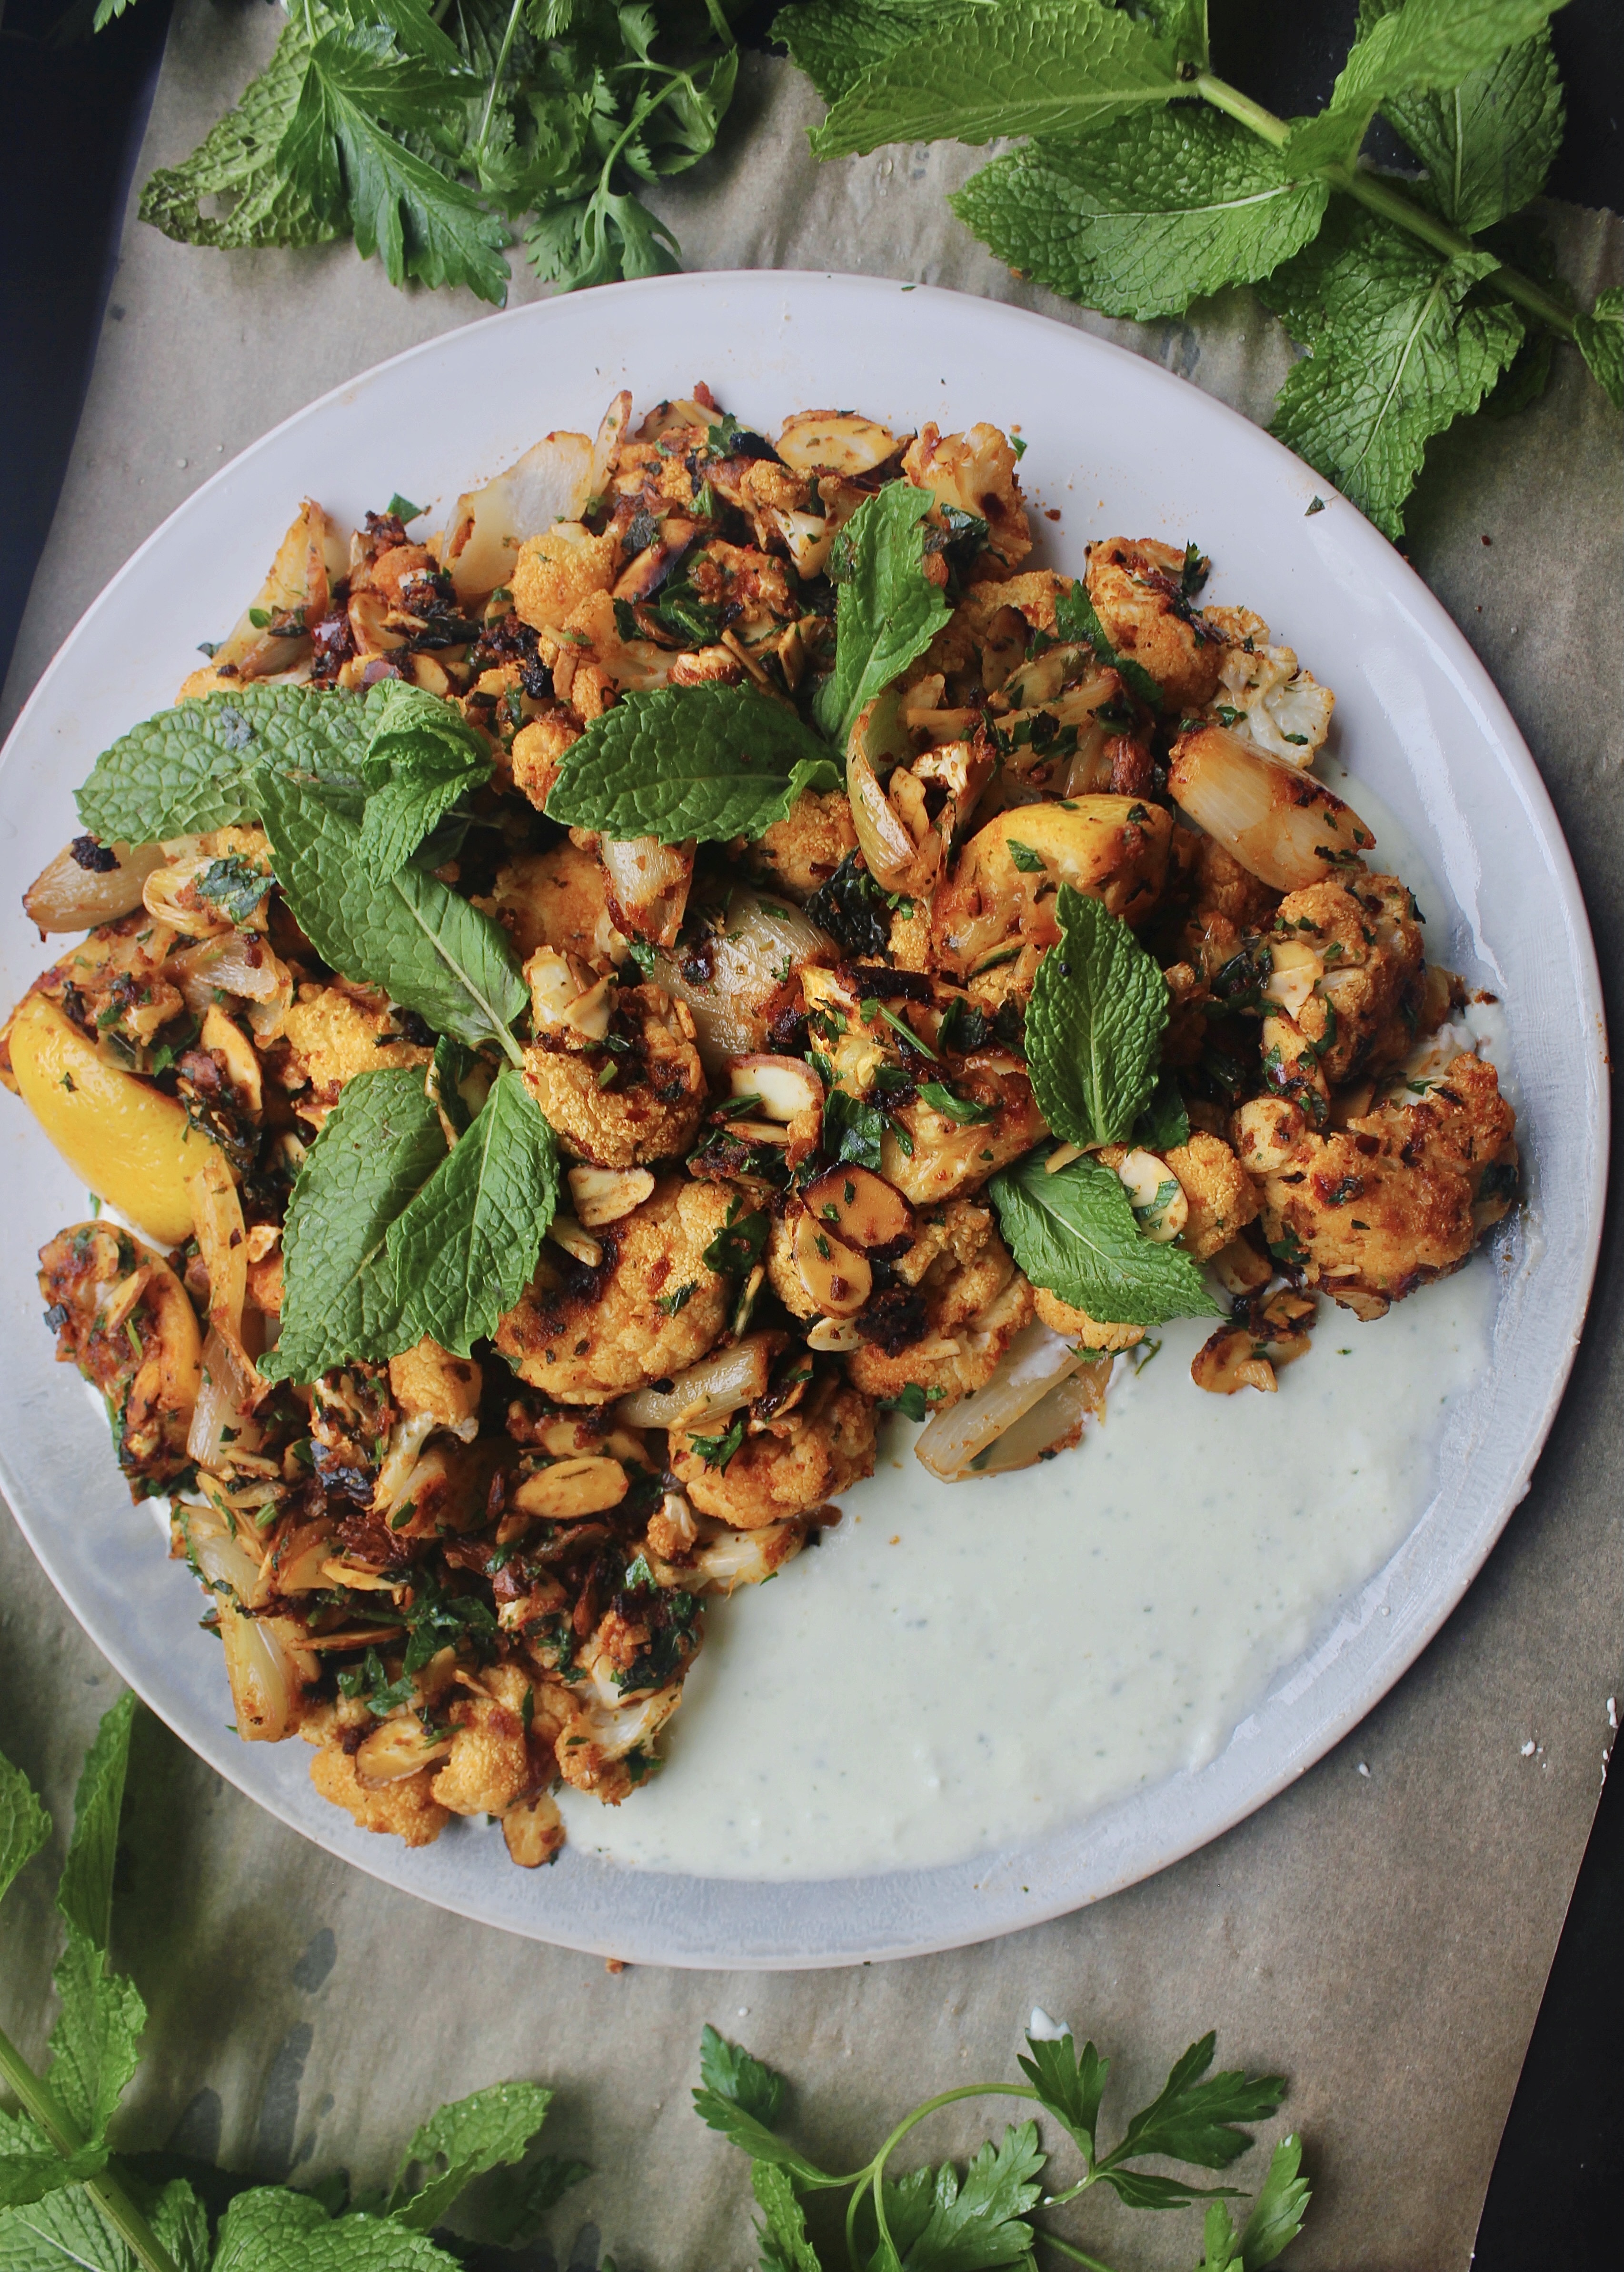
<point x="782" y="2236"/>
<point x="706" y="762"/>
<point x="737" y="1247"/>
<point x="1070" y="2084"/>
<point x="959" y="1110"/>
<point x="1171" y="205"/>
<point x="852" y="1130"/>
<point x="379" y="1145"/>
<point x="1074" y="1232"/>
<point x="1028" y="67"/>
<point x="1193" y="2118"/>
<point x="1075" y="618"/>
<point x="196" y="766"/>
<point x="1094" y="1025"/>
<point x="941" y="2223"/>
<point x="412" y="935"/>
<point x="889" y="611"/>
<point x="716" y="1451"/>
<point x="419" y="759"/>
<point x="491" y="2128"/>
<point x="1398" y="347"/>
<point x="740" y="2097"/>
<point x="462" y="1249"/>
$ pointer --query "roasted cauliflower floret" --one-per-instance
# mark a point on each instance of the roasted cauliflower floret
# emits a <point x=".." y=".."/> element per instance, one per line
<point x="557" y="898"/>
<point x="799" y="854"/>
<point x="1221" y="1197"/>
<point x="975" y="472"/>
<point x="651" y="1306"/>
<point x="122" y="1316"/>
<point x="1141" y="595"/>
<point x="556" y="570"/>
<point x="1347" y="967"/>
<point x="331" y="1035"/>
<point x="997" y="914"/>
<point x="785" y="1464"/>
<point x="1398" y="1197"/>
<point x="427" y="1380"/>
<point x="956" y="1303"/>
<point x="1079" y="1326"/>
<point x="405" y="1809"/>
<point x="1227" y="904"/>
<point x="489" y="1764"/>
<point x="1284" y="710"/>
<point x="538" y="751"/>
<point x="633" y="1097"/>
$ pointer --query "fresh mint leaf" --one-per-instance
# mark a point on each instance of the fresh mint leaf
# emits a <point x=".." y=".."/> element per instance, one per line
<point x="513" y="2202"/>
<point x="24" y="1825"/>
<point x="491" y="2128"/>
<point x="1170" y="205"/>
<point x="419" y="759"/>
<point x="1600" y="336"/>
<point x="85" y="1890"/>
<point x="236" y="162"/>
<point x="706" y="762"/>
<point x="63" y="2231"/>
<point x="194" y="768"/>
<point x="415" y="937"/>
<point x="1164" y="1125"/>
<point x="1070" y="2084"/>
<point x="1094" y="1025"/>
<point x="1488" y="141"/>
<point x="1193" y="2117"/>
<point x="1028" y="67"/>
<point x="1074" y="1232"/>
<point x="31" y="2168"/>
<point x="731" y="2072"/>
<point x="1076" y="619"/>
<point x="835" y="42"/>
<point x="889" y="611"/>
<point x="271" y="2231"/>
<point x="337" y="155"/>
<point x="782" y="2236"/>
<point x="463" y="1249"/>
<point x="1396" y="349"/>
<point x="95" y="2044"/>
<point x="378" y="1147"/>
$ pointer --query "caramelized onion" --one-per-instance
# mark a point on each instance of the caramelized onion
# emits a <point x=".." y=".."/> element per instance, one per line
<point x="64" y="896"/>
<point x="1035" y="1362"/>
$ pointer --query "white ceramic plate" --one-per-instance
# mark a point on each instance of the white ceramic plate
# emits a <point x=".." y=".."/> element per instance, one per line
<point x="1419" y="722"/>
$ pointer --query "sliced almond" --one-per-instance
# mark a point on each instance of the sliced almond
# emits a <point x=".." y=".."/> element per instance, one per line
<point x="862" y="1207"/>
<point x="604" y="1194"/>
<point x="570" y="1489"/>
<point x="838" y="1279"/>
<point x="1155" y="1196"/>
<point x="784" y="1084"/>
<point x="565" y="1232"/>
<point x="833" y="1335"/>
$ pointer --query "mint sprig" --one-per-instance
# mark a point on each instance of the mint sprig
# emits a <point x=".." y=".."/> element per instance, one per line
<point x="704" y="762"/>
<point x="196" y="766"/>
<point x="420" y="757"/>
<point x="1094" y="1025"/>
<point x="1074" y="1232"/>
<point x="1146" y="182"/>
<point x="889" y="611"/>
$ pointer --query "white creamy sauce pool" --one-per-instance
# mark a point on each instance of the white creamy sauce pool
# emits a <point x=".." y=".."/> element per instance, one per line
<point x="955" y="1668"/>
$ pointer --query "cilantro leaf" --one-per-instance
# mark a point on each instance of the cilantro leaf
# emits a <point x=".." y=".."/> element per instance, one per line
<point x="379" y="1146"/>
<point x="434" y="953"/>
<point x="474" y="2134"/>
<point x="1028" y="67"/>
<point x="24" y="1825"/>
<point x="1488" y="141"/>
<point x="1074" y="1232"/>
<point x="706" y="762"/>
<point x="1600" y="336"/>
<point x="196" y="766"/>
<point x="1398" y="349"/>
<point x="1192" y="2117"/>
<point x="733" y="2073"/>
<point x="781" y="2235"/>
<point x="270" y="2230"/>
<point x="1070" y="2084"/>
<point x="237" y="159"/>
<point x="1075" y="618"/>
<point x="834" y="42"/>
<point x="1170" y="205"/>
<point x="462" y="1249"/>
<point x="338" y="155"/>
<point x="889" y="611"/>
<point x="1094" y="1025"/>
<point x="419" y="759"/>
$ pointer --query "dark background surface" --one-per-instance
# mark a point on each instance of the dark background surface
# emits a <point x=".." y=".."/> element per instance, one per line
<point x="72" y="115"/>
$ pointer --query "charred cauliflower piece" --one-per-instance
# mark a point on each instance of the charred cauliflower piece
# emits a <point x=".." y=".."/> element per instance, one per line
<point x="955" y="1304"/>
<point x="1347" y="967"/>
<point x="974" y="473"/>
<point x="557" y="898"/>
<point x="332" y="1034"/>
<point x="1398" y="1197"/>
<point x="785" y="1464"/>
<point x="633" y="1096"/>
<point x="652" y="1306"/>
<point x="1142" y="596"/>
<point x="797" y="855"/>
<point x="405" y="1808"/>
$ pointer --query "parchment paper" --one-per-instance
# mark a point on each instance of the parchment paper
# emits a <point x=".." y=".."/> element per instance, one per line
<point x="1381" y="1933"/>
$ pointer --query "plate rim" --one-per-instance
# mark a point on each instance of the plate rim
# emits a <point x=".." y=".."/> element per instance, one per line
<point x="1007" y="1911"/>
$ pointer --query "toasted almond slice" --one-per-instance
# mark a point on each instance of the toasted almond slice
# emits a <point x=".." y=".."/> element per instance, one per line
<point x="570" y="1488"/>
<point x="396" y="1748"/>
<point x="604" y="1194"/>
<point x="838" y="1279"/>
<point x="861" y="1205"/>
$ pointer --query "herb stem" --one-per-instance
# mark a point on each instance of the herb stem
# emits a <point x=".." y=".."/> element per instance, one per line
<point x="1234" y="104"/>
<point x="1050" y="2240"/>
<point x="37" y="2101"/>
<point x="503" y="52"/>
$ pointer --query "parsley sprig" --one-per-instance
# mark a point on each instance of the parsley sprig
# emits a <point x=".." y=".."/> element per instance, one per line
<point x="938" y="2219"/>
<point x="1146" y="182"/>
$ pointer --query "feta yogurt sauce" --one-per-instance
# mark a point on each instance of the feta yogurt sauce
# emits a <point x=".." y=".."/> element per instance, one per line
<point x="957" y="1668"/>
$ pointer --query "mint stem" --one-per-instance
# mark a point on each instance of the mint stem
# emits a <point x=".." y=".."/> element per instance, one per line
<point x="37" y="2101"/>
<point x="1385" y="198"/>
